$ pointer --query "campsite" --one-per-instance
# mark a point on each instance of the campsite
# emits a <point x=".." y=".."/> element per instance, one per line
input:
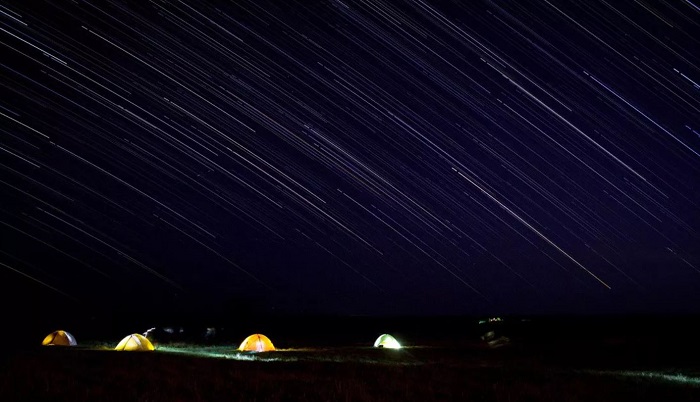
<point x="350" y="200"/>
<point x="330" y="359"/>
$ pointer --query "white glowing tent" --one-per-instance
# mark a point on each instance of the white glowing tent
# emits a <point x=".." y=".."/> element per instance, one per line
<point x="387" y="341"/>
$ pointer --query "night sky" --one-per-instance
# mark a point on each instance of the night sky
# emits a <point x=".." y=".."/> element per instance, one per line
<point x="351" y="157"/>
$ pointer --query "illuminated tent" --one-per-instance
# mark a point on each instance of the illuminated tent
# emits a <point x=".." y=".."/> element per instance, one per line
<point x="256" y="343"/>
<point x="61" y="338"/>
<point x="387" y="341"/>
<point x="135" y="342"/>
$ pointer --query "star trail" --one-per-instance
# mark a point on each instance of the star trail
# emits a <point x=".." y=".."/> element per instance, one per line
<point x="354" y="157"/>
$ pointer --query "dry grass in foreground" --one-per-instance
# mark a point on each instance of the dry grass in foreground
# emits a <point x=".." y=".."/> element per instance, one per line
<point x="82" y="374"/>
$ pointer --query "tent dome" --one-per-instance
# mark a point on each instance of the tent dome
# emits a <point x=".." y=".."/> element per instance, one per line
<point x="135" y="342"/>
<point x="61" y="338"/>
<point x="256" y="343"/>
<point x="387" y="341"/>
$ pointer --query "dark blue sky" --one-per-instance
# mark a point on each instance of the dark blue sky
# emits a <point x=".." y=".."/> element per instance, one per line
<point x="352" y="157"/>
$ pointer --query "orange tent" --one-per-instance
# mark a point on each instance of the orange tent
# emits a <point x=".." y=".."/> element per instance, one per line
<point x="61" y="338"/>
<point x="256" y="343"/>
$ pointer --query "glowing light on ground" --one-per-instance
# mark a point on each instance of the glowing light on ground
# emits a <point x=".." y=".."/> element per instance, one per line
<point x="653" y="375"/>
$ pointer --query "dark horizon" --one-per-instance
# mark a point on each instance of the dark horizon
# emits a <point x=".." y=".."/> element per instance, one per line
<point x="294" y="331"/>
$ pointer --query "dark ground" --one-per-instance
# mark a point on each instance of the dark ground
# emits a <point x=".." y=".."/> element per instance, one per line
<point x="328" y="359"/>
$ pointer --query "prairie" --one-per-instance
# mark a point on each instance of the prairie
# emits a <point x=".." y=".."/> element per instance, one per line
<point x="466" y="371"/>
<point x="332" y="359"/>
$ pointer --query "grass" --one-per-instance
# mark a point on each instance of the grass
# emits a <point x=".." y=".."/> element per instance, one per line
<point x="190" y="372"/>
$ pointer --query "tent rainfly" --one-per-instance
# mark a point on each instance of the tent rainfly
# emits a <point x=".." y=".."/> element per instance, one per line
<point x="135" y="342"/>
<point x="256" y="343"/>
<point x="60" y="338"/>
<point x="387" y="341"/>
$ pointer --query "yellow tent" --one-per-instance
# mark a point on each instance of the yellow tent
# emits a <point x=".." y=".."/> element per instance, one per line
<point x="135" y="342"/>
<point x="387" y="341"/>
<point x="61" y="338"/>
<point x="256" y="343"/>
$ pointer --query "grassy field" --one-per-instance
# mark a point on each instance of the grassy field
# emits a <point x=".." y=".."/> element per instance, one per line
<point x="466" y="372"/>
